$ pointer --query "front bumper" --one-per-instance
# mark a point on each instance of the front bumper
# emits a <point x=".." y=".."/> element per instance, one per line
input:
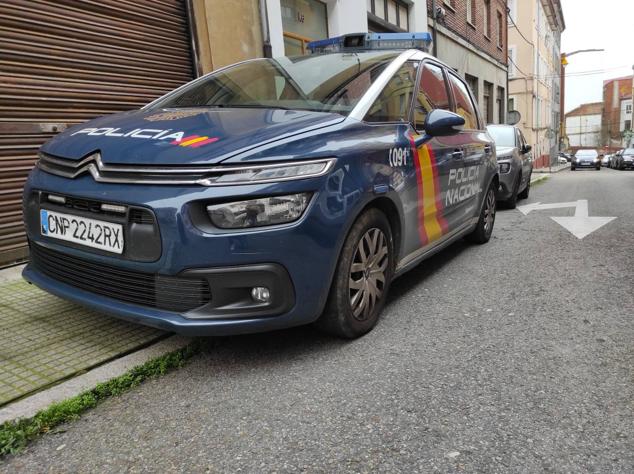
<point x="586" y="164"/>
<point x="294" y="261"/>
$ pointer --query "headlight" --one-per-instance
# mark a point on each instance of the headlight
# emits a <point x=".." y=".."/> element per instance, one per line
<point x="259" y="212"/>
<point x="269" y="173"/>
<point x="504" y="167"/>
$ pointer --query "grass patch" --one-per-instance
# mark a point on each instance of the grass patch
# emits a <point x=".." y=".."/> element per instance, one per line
<point x="15" y="435"/>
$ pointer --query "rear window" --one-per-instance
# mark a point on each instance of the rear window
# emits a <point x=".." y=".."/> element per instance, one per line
<point x="464" y="106"/>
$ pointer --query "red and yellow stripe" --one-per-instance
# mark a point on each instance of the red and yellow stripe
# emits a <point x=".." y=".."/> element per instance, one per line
<point x="431" y="221"/>
<point x="194" y="141"/>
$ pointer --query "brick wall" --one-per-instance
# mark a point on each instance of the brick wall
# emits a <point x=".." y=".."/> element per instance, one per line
<point x="456" y="21"/>
<point x="612" y="108"/>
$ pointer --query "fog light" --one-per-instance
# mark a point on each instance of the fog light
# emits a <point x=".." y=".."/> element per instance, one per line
<point x="57" y="199"/>
<point x="505" y="167"/>
<point x="261" y="294"/>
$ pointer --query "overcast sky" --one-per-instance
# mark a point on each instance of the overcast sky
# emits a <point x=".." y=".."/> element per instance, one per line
<point x="607" y="24"/>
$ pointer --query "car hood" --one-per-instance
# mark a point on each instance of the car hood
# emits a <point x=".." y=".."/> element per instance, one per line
<point x="504" y="151"/>
<point x="182" y="136"/>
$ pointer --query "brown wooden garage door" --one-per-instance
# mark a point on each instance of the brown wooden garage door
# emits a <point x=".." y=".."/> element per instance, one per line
<point x="66" y="61"/>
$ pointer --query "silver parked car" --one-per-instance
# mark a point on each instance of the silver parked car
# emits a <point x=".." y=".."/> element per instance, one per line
<point x="624" y="159"/>
<point x="515" y="163"/>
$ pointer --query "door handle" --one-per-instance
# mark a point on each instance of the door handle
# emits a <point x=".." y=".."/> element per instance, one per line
<point x="457" y="154"/>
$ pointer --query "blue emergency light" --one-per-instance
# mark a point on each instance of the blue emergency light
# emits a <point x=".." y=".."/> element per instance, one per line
<point x="371" y="41"/>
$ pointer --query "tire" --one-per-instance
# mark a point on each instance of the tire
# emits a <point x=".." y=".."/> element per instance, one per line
<point x="351" y="312"/>
<point x="526" y="190"/>
<point x="572" y="168"/>
<point x="511" y="203"/>
<point x="482" y="233"/>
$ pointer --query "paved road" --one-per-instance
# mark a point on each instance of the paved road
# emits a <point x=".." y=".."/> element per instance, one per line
<point x="516" y="356"/>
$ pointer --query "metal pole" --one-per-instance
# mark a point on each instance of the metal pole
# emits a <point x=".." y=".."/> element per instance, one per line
<point x="435" y="42"/>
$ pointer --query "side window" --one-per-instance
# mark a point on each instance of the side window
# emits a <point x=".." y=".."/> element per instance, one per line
<point x="464" y="105"/>
<point x="432" y="94"/>
<point x="393" y="104"/>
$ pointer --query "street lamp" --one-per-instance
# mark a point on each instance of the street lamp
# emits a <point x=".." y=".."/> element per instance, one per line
<point x="562" y="90"/>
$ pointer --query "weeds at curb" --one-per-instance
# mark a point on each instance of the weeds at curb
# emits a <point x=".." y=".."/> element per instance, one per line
<point x="15" y="435"/>
<point x="540" y="181"/>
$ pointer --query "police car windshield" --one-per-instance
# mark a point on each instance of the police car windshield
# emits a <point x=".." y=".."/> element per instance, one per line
<point x="328" y="83"/>
<point x="586" y="154"/>
<point x="503" y="136"/>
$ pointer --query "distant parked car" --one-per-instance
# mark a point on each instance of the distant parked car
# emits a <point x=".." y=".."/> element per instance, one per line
<point x="624" y="159"/>
<point x="515" y="163"/>
<point x="562" y="160"/>
<point x="606" y="160"/>
<point x="566" y="156"/>
<point x="586" y="158"/>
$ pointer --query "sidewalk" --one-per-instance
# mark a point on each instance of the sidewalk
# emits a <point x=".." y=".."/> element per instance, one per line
<point x="46" y="340"/>
<point x="552" y="169"/>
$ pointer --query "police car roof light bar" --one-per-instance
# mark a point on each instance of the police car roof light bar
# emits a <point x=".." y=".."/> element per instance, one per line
<point x="371" y="41"/>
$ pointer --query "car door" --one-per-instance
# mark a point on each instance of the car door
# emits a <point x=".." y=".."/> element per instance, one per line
<point x="435" y="159"/>
<point x="526" y="157"/>
<point x="466" y="186"/>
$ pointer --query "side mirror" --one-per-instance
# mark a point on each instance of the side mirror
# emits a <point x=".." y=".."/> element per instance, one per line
<point x="441" y="123"/>
<point x="527" y="148"/>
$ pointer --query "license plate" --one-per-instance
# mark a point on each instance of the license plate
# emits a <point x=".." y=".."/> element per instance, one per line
<point x="82" y="230"/>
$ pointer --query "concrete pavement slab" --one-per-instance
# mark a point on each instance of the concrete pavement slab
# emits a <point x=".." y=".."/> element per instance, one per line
<point x="46" y="339"/>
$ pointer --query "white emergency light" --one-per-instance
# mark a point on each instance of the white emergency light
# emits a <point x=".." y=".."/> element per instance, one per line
<point x="371" y="41"/>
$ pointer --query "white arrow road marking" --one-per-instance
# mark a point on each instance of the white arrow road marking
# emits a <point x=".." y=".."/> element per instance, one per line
<point x="580" y="225"/>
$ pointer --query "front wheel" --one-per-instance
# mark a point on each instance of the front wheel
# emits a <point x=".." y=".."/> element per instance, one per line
<point x="362" y="278"/>
<point x="482" y="233"/>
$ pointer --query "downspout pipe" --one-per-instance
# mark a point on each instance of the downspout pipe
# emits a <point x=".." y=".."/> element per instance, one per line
<point x="267" y="50"/>
<point x="435" y="37"/>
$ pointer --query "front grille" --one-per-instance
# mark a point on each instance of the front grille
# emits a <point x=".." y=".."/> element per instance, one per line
<point x="146" y="289"/>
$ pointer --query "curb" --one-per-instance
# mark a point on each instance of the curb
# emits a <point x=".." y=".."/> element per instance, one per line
<point x="30" y="406"/>
<point x="541" y="177"/>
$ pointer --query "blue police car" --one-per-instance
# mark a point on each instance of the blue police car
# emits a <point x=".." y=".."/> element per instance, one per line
<point x="267" y="194"/>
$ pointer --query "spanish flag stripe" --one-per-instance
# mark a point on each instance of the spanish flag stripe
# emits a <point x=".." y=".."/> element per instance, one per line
<point x="439" y="207"/>
<point x="192" y="141"/>
<point x="432" y="226"/>
<point x="419" y="195"/>
<point x="204" y="142"/>
<point x="184" y="139"/>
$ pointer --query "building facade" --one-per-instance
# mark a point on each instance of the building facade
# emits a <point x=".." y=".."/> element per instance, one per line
<point x="291" y="24"/>
<point x="617" y="112"/>
<point x="471" y="37"/>
<point x="534" y="70"/>
<point x="583" y="126"/>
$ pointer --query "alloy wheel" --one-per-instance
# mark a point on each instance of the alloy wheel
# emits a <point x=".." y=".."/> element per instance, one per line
<point x="368" y="273"/>
<point x="489" y="212"/>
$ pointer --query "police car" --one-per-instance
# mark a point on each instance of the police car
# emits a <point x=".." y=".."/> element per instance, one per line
<point x="267" y="194"/>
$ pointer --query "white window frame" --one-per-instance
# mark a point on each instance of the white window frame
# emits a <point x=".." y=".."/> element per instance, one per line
<point x="512" y="53"/>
